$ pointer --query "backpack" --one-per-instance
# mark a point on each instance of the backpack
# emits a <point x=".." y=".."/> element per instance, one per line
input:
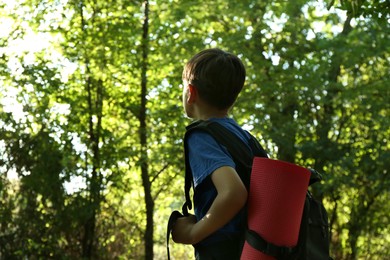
<point x="313" y="239"/>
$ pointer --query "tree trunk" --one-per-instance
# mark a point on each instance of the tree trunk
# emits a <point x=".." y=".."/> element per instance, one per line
<point x="95" y="181"/>
<point x="324" y="127"/>
<point x="146" y="182"/>
<point x="94" y="89"/>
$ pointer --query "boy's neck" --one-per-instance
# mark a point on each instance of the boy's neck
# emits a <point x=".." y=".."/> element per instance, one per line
<point x="207" y="112"/>
<point x="207" y="117"/>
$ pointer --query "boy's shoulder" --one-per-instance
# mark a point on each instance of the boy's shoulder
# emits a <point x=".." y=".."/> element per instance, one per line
<point x="200" y="126"/>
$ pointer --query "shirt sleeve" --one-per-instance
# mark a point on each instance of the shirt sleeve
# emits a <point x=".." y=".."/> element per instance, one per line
<point x="206" y="156"/>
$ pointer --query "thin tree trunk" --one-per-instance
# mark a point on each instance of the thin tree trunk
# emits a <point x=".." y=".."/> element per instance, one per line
<point x="146" y="182"/>
<point x="95" y="109"/>
<point x="94" y="89"/>
<point x="95" y="180"/>
<point x="325" y="125"/>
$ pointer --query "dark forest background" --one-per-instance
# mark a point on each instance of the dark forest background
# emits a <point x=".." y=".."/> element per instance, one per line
<point x="91" y="119"/>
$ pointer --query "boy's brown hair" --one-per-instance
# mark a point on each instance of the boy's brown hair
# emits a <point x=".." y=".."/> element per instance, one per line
<point x="217" y="75"/>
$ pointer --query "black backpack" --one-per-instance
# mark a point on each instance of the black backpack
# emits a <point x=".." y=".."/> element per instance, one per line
<point x="313" y="240"/>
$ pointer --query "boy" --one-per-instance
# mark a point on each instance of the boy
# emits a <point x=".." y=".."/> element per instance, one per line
<point x="212" y="81"/>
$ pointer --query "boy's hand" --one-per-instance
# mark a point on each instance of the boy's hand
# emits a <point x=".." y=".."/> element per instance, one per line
<point x="182" y="230"/>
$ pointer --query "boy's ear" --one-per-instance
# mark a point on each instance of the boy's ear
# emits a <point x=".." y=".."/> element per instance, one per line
<point x="192" y="94"/>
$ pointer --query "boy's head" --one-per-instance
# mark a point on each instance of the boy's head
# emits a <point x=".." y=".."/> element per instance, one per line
<point x="218" y="77"/>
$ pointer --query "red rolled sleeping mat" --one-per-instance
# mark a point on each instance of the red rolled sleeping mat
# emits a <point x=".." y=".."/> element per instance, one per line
<point x="275" y="203"/>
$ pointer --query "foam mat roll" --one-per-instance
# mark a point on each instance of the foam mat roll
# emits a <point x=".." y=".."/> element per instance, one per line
<point x="275" y="203"/>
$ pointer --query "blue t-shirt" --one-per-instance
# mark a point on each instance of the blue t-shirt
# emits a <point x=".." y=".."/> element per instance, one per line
<point x="206" y="156"/>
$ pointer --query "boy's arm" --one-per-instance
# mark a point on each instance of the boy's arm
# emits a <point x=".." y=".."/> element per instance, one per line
<point x="231" y="197"/>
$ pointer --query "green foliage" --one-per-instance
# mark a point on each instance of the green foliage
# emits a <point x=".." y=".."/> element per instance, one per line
<point x="316" y="94"/>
